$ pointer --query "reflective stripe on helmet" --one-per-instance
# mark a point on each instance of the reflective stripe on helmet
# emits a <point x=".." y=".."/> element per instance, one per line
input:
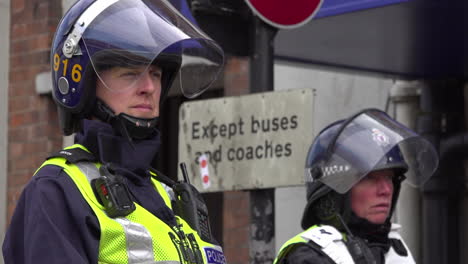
<point x="70" y="46"/>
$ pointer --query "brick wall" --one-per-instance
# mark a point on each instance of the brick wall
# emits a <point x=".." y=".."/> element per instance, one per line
<point x="33" y="130"/>
<point x="236" y="206"/>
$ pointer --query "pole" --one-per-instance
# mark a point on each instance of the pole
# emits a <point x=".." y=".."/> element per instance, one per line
<point x="262" y="201"/>
<point x="405" y="98"/>
<point x="261" y="56"/>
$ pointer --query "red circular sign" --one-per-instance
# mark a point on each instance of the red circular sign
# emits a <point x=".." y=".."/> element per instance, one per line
<point x="285" y="14"/>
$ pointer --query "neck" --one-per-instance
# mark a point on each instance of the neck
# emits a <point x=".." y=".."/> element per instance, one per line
<point x="133" y="128"/>
<point x="111" y="147"/>
<point x="361" y="227"/>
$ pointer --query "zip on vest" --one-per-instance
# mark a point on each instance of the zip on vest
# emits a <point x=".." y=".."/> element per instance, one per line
<point x="187" y="245"/>
<point x="196" y="248"/>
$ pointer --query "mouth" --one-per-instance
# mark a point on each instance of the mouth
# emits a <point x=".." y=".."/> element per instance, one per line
<point x="382" y="206"/>
<point x="143" y="107"/>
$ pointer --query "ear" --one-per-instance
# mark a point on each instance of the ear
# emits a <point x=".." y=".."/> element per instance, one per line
<point x="327" y="206"/>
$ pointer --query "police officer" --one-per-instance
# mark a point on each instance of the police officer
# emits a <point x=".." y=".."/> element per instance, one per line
<point x="99" y="201"/>
<point x="354" y="170"/>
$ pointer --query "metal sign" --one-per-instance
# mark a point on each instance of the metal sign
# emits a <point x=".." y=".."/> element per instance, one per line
<point x="285" y="14"/>
<point x="335" y="7"/>
<point x="246" y="142"/>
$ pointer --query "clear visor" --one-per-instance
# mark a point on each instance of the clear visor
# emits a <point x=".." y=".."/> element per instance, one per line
<point x="137" y="34"/>
<point x="366" y="142"/>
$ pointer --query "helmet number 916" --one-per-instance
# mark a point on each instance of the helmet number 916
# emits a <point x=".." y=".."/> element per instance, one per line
<point x="75" y="71"/>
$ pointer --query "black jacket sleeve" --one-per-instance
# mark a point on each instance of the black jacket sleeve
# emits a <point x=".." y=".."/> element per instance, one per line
<point x="52" y="223"/>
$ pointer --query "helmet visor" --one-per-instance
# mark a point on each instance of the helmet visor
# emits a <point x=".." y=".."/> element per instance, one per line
<point x="137" y="34"/>
<point x="369" y="142"/>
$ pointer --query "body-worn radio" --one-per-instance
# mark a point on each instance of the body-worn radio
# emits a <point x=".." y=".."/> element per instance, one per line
<point x="189" y="205"/>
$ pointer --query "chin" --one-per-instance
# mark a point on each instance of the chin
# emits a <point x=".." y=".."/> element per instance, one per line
<point x="377" y="220"/>
<point x="144" y="116"/>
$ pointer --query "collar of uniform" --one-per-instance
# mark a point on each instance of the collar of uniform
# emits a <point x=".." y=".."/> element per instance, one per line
<point x="101" y="140"/>
<point x="373" y="233"/>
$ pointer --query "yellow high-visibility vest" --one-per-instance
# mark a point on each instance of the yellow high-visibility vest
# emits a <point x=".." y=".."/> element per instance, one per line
<point x="139" y="237"/>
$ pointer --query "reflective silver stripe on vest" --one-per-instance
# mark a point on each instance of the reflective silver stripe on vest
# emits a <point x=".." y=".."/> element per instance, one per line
<point x="138" y="238"/>
<point x="139" y="242"/>
<point x="89" y="170"/>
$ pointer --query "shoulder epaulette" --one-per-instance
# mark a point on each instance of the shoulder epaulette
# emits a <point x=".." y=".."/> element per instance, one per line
<point x="74" y="155"/>
<point x="322" y="235"/>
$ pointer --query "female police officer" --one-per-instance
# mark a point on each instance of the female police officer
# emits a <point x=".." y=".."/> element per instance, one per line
<point x="354" y="171"/>
<point x="113" y="61"/>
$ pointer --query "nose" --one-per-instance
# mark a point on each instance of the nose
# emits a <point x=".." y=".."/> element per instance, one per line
<point x="385" y="186"/>
<point x="147" y="84"/>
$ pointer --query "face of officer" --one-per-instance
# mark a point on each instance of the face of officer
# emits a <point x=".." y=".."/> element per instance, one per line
<point x="371" y="198"/>
<point x="134" y="91"/>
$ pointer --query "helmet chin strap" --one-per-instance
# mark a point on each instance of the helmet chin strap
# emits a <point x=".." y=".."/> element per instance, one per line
<point x="126" y="125"/>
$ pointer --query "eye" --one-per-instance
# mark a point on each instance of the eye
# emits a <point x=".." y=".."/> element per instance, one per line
<point x="385" y="177"/>
<point x="128" y="75"/>
<point x="376" y="177"/>
<point x="156" y="74"/>
<point x="132" y="73"/>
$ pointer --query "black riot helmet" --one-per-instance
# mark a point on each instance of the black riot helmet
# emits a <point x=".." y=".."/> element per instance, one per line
<point x="95" y="35"/>
<point x="347" y="150"/>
